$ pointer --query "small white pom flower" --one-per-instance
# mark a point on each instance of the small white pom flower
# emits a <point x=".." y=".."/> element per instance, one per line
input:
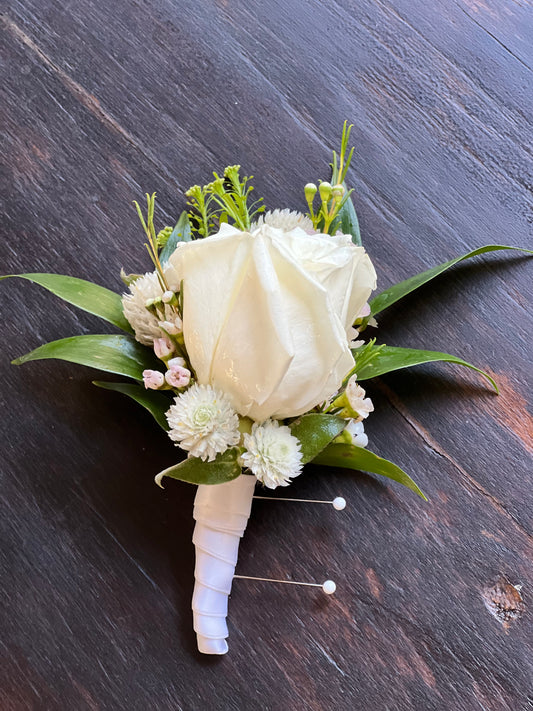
<point x="285" y="220"/>
<point x="203" y="422"/>
<point x="144" y="323"/>
<point x="356" y="431"/>
<point x="272" y="453"/>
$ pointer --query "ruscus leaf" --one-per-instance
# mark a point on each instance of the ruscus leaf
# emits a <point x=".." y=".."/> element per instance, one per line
<point x="348" y="456"/>
<point x="348" y="223"/>
<point x="224" y="467"/>
<point x="94" y="299"/>
<point x="180" y="233"/>
<point x="112" y="353"/>
<point x="390" y="358"/>
<point x="398" y="291"/>
<point x="315" y="431"/>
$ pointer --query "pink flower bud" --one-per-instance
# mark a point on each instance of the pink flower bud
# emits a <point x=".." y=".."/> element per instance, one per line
<point x="163" y="347"/>
<point x="153" y="379"/>
<point x="178" y="377"/>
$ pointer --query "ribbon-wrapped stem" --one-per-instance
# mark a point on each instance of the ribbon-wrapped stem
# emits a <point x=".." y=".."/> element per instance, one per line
<point x="221" y="513"/>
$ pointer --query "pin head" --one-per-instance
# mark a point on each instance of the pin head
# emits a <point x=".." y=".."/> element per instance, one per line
<point x="339" y="503"/>
<point x="329" y="587"/>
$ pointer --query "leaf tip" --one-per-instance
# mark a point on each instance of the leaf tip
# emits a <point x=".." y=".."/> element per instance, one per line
<point x="158" y="478"/>
<point x="491" y="381"/>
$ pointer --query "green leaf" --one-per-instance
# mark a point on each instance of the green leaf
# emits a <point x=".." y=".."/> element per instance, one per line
<point x="85" y="295"/>
<point x="223" y="468"/>
<point x="398" y="291"/>
<point x="348" y="456"/>
<point x="390" y="358"/>
<point x="347" y="220"/>
<point x="180" y="233"/>
<point x="114" y="354"/>
<point x="157" y="403"/>
<point x="316" y="431"/>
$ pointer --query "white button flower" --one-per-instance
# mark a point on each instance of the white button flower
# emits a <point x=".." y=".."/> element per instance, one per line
<point x="272" y="453"/>
<point x="203" y="422"/>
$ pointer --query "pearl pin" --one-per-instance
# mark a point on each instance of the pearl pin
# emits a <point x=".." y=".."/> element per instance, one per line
<point x="338" y="503"/>
<point x="328" y="586"/>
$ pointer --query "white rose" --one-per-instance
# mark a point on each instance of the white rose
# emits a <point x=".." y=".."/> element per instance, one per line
<point x="267" y="314"/>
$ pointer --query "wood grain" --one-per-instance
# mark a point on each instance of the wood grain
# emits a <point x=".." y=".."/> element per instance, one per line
<point x="103" y="101"/>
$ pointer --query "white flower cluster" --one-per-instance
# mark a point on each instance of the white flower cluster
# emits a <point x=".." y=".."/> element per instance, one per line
<point x="203" y="422"/>
<point x="285" y="365"/>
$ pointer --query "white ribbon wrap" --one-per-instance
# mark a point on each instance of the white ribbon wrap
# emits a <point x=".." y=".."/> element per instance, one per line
<point x="221" y="512"/>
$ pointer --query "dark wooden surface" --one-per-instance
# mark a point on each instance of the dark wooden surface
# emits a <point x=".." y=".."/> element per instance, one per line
<point x="103" y="101"/>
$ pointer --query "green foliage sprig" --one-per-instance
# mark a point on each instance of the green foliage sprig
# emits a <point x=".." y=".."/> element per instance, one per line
<point x="201" y="216"/>
<point x="333" y="195"/>
<point x="223" y="200"/>
<point x="152" y="245"/>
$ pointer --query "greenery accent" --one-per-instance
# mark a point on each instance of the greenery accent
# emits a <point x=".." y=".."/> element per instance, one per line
<point x="398" y="291"/>
<point x="180" y="233"/>
<point x="163" y="236"/>
<point x="152" y="245"/>
<point x="335" y="197"/>
<point x="315" y="432"/>
<point x="365" y="355"/>
<point x="224" y="467"/>
<point x="348" y="456"/>
<point x="94" y="299"/>
<point x="157" y="403"/>
<point x="111" y="353"/>
<point x="202" y="216"/>
<point x="230" y="194"/>
<point x="340" y="164"/>
<point x="388" y="358"/>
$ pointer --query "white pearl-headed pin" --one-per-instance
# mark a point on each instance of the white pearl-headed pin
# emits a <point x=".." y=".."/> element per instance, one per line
<point x="329" y="586"/>
<point x="338" y="503"/>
